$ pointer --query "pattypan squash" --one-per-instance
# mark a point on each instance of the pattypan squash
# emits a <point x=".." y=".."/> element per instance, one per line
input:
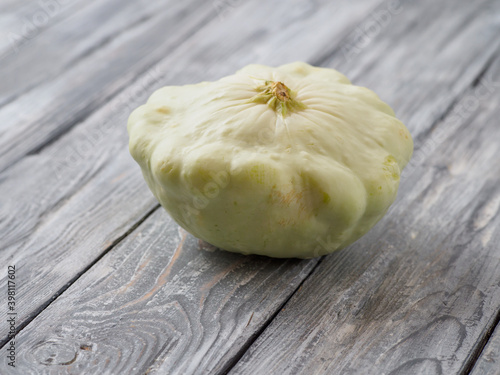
<point x="292" y="161"/>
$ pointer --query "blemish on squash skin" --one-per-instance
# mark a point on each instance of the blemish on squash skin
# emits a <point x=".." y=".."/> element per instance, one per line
<point x="391" y="166"/>
<point x="163" y="109"/>
<point x="288" y="198"/>
<point x="286" y="222"/>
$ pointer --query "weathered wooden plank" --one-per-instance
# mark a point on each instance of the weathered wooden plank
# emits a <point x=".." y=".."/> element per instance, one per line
<point x="21" y="22"/>
<point x="88" y="170"/>
<point x="164" y="354"/>
<point x="158" y="292"/>
<point x="489" y="361"/>
<point x="418" y="294"/>
<point x="122" y="45"/>
<point x="49" y="50"/>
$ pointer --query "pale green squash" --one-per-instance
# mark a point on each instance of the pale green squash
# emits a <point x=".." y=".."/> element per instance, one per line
<point x="292" y="161"/>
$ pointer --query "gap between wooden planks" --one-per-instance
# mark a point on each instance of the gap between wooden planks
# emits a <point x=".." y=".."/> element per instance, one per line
<point x="487" y="363"/>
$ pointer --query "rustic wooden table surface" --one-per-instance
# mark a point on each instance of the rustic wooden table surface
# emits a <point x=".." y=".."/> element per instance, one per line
<point x="107" y="283"/>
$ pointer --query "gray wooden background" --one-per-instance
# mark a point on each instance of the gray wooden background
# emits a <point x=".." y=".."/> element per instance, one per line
<point x="108" y="284"/>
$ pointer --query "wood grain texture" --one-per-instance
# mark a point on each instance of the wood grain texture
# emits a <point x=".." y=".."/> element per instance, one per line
<point x="143" y="308"/>
<point x="22" y="22"/>
<point x="74" y="199"/>
<point x="73" y="38"/>
<point x="419" y="293"/>
<point x="489" y="361"/>
<point x="160" y="298"/>
<point x="83" y="62"/>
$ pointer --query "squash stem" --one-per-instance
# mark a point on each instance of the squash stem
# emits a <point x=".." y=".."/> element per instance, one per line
<point x="278" y="97"/>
